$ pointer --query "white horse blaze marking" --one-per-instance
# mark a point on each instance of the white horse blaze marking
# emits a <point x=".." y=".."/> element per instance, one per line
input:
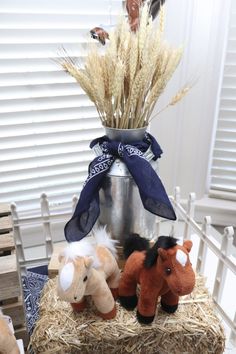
<point x="181" y="257"/>
<point x="67" y="275"/>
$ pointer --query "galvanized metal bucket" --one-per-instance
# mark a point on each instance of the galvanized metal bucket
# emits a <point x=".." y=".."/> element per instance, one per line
<point x="121" y="208"/>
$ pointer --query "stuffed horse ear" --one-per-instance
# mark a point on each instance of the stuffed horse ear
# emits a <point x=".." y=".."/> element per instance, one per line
<point x="162" y="253"/>
<point x="61" y="256"/>
<point x="188" y="245"/>
<point x="88" y="261"/>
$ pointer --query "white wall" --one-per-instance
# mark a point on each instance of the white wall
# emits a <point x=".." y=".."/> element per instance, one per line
<point x="185" y="131"/>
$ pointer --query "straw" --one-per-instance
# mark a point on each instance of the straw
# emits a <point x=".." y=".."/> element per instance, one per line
<point x="194" y="328"/>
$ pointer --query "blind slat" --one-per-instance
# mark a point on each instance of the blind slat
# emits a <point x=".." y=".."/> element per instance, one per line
<point x="219" y="171"/>
<point x="223" y="188"/>
<point x="31" y="104"/>
<point x="50" y="115"/>
<point x="54" y="191"/>
<point x="47" y="142"/>
<point x="34" y="62"/>
<point x="31" y="184"/>
<point x="25" y="164"/>
<point x="227" y="124"/>
<point x="224" y="154"/>
<point x="44" y="50"/>
<point x="38" y="91"/>
<point x="46" y="21"/>
<point x="62" y="7"/>
<point x="52" y="170"/>
<point x="38" y="78"/>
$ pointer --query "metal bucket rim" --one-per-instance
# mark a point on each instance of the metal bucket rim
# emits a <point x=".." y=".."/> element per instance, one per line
<point x="122" y="130"/>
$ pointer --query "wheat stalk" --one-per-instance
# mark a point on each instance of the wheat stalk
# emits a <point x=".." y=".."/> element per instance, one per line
<point x="126" y="81"/>
<point x="142" y="32"/>
<point x="175" y="99"/>
<point x="162" y="20"/>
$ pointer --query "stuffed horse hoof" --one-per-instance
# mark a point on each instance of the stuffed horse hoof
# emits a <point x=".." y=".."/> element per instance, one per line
<point x="163" y="270"/>
<point x="79" y="306"/>
<point x="90" y="268"/>
<point x="168" y="308"/>
<point x="144" y="319"/>
<point x="109" y="315"/>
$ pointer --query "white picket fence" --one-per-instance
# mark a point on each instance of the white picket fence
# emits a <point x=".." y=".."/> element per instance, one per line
<point x="221" y="251"/>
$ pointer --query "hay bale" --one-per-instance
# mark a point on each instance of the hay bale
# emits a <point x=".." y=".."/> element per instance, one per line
<point x="194" y="328"/>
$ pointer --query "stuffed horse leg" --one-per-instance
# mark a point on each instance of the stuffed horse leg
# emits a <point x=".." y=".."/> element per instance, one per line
<point x="128" y="285"/>
<point x="113" y="282"/>
<point x="103" y="298"/>
<point x="147" y="301"/>
<point x="169" y="302"/>
<point x="128" y="282"/>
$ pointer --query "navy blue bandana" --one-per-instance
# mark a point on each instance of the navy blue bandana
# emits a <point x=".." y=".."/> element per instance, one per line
<point x="151" y="189"/>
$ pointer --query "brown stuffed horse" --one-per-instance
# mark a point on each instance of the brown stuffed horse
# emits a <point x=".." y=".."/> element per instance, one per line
<point x="163" y="270"/>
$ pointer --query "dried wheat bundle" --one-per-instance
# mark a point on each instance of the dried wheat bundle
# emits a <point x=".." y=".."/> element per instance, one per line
<point x="126" y="81"/>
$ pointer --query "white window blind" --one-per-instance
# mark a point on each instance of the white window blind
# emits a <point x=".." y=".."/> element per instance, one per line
<point x="46" y="120"/>
<point x="223" y="170"/>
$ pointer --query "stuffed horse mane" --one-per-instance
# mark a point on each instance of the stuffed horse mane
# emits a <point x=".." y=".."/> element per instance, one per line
<point x="152" y="253"/>
<point x="137" y="243"/>
<point x="87" y="246"/>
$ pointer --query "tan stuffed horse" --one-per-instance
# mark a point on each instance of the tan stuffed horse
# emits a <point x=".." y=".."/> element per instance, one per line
<point x="89" y="267"/>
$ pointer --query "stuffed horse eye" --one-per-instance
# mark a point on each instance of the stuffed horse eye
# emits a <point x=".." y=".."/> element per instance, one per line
<point x="168" y="271"/>
<point x="85" y="278"/>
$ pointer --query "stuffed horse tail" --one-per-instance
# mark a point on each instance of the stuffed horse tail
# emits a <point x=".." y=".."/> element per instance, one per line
<point x="103" y="239"/>
<point x="135" y="243"/>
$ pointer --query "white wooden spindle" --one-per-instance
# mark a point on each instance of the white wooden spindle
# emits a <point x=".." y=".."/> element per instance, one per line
<point x="226" y="243"/>
<point x="190" y="215"/>
<point x="177" y="194"/>
<point x="18" y="240"/>
<point x="74" y="202"/>
<point x="158" y="226"/>
<point x="174" y="224"/>
<point x="46" y="224"/>
<point x="202" y="250"/>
